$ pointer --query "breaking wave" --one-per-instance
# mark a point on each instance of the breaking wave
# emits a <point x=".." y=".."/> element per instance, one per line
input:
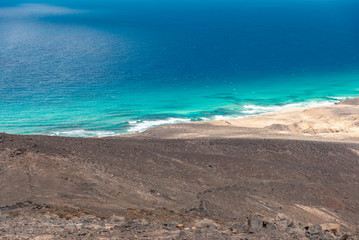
<point x="257" y="109"/>
<point x="83" y="133"/>
<point x="140" y="126"/>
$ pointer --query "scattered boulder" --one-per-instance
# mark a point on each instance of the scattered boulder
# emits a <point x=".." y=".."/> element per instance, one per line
<point x="282" y="225"/>
<point x="180" y="225"/>
<point x="297" y="232"/>
<point x="117" y="219"/>
<point x="255" y="223"/>
<point x="282" y="222"/>
<point x="92" y="227"/>
<point x="329" y="235"/>
<point x="142" y="221"/>
<point x="269" y="223"/>
<point x="330" y="227"/>
<point x="182" y="234"/>
<point x="238" y="227"/>
<point x="205" y="223"/>
<point x="315" y="230"/>
<point x="281" y="217"/>
<point x="345" y="236"/>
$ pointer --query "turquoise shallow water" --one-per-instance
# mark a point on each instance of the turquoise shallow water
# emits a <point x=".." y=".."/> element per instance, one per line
<point x="81" y="68"/>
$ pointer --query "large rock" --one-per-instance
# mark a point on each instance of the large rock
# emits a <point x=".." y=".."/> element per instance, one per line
<point x="255" y="223"/>
<point x="281" y="217"/>
<point x="117" y="219"/>
<point x="282" y="221"/>
<point x="330" y="227"/>
<point x="205" y="223"/>
<point x="269" y="223"/>
<point x="297" y="232"/>
<point x="329" y="235"/>
<point x="315" y="230"/>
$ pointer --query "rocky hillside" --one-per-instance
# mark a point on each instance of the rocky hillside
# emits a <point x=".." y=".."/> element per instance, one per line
<point x="177" y="189"/>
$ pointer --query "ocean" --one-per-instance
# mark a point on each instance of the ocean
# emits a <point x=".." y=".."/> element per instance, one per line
<point x="101" y="68"/>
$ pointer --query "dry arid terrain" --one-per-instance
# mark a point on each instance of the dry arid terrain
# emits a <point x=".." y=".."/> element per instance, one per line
<point x="286" y="176"/>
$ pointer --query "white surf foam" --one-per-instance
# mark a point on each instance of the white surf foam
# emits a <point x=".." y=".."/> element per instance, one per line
<point x="221" y="117"/>
<point x="83" y="133"/>
<point x="339" y="98"/>
<point x="256" y="109"/>
<point x="140" y="126"/>
<point x="205" y="119"/>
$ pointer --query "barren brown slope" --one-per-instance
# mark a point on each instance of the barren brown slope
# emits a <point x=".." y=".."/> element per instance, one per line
<point x="222" y="179"/>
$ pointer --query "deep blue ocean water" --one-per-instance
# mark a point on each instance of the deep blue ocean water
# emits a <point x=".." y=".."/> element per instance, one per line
<point x="97" y="68"/>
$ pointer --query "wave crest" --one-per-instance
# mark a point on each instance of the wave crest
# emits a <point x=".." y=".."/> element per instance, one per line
<point x="140" y="126"/>
<point x="257" y="109"/>
<point x="83" y="133"/>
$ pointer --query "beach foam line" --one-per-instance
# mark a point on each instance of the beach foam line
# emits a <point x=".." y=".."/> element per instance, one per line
<point x="257" y="109"/>
<point x="339" y="98"/>
<point x="249" y="110"/>
<point x="140" y="126"/>
<point x="83" y="133"/>
<point x="222" y="117"/>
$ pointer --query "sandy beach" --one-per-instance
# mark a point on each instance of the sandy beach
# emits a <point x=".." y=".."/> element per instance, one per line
<point x="292" y="174"/>
<point x="335" y="122"/>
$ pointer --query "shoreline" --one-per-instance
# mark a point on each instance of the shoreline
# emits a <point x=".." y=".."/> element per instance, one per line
<point x="145" y="125"/>
<point x="337" y="122"/>
<point x="325" y="121"/>
<point x="273" y="123"/>
<point x="217" y="118"/>
<point x="138" y="126"/>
